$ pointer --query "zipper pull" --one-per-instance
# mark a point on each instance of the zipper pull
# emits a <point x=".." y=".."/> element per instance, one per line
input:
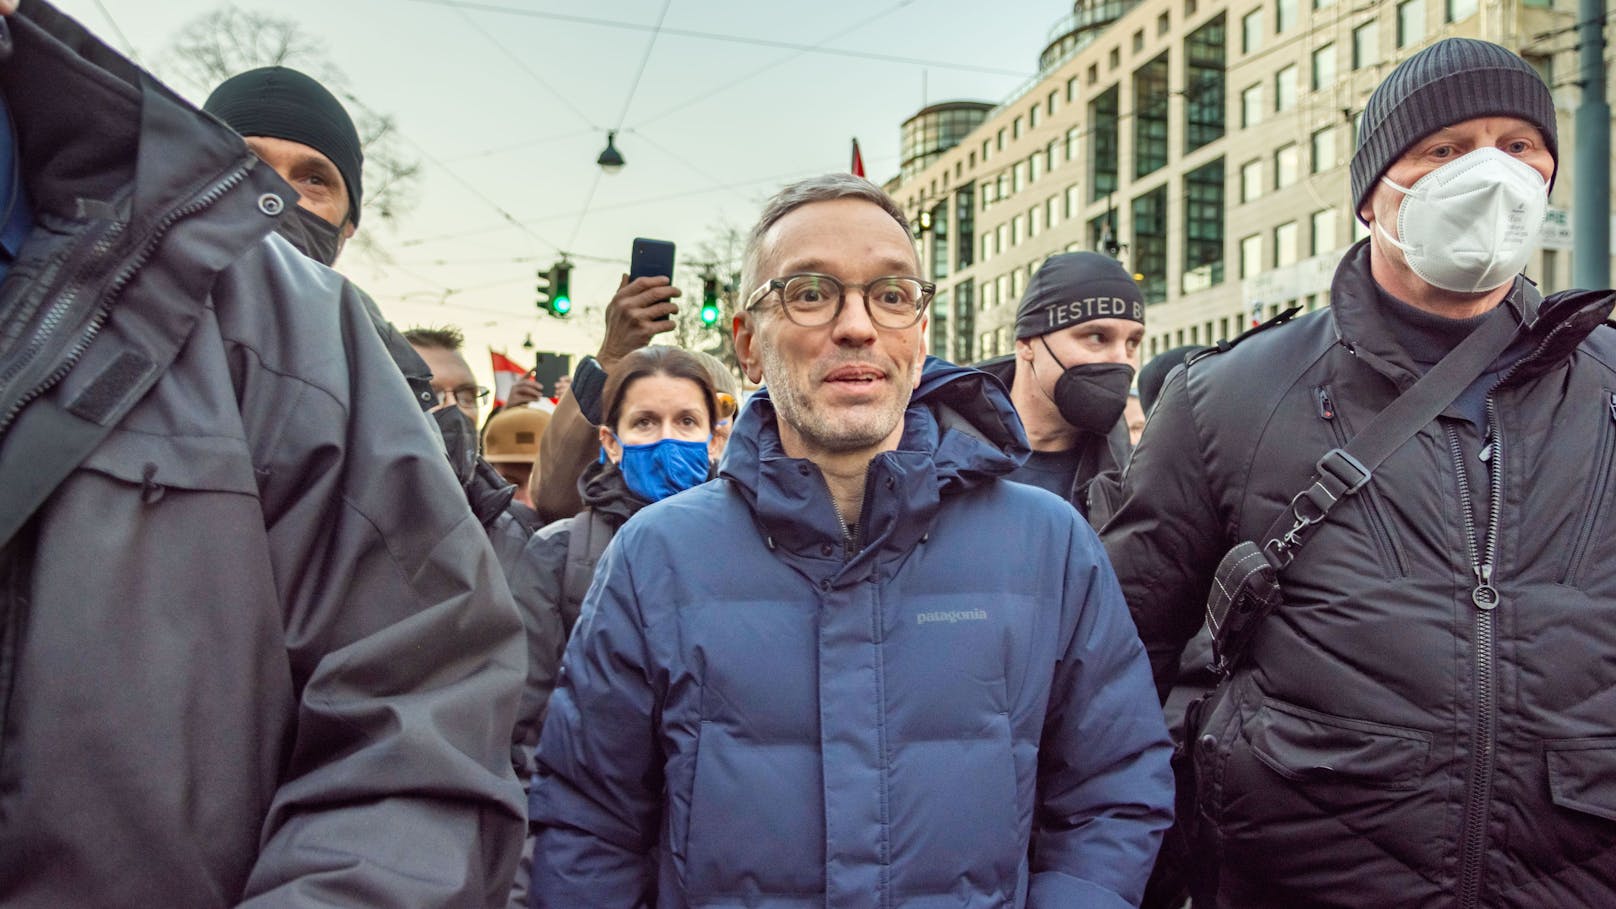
<point x="1487" y="448"/>
<point x="1327" y="408"/>
<point x="1485" y="596"/>
<point x="1613" y="406"/>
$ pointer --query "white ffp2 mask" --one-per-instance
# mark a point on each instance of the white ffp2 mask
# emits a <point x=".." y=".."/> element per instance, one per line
<point x="1470" y="225"/>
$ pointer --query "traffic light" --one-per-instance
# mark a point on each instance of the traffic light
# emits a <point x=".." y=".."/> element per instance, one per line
<point x="561" y="289"/>
<point x="541" y="290"/>
<point x="709" y="301"/>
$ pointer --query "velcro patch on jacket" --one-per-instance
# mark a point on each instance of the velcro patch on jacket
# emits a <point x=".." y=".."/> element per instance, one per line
<point x="100" y="399"/>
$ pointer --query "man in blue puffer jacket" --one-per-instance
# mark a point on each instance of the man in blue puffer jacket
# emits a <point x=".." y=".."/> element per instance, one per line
<point x="861" y="668"/>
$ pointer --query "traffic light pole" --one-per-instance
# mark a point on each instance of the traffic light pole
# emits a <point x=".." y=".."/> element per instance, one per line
<point x="1590" y="214"/>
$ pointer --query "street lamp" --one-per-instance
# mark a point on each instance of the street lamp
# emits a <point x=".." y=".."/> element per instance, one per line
<point x="610" y="160"/>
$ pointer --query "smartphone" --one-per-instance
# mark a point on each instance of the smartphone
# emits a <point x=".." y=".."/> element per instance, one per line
<point x="651" y="257"/>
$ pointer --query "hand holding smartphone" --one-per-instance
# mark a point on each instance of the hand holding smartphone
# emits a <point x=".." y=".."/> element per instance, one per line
<point x="651" y="257"/>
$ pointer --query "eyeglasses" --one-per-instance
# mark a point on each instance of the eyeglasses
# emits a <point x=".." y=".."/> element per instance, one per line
<point x="465" y="395"/>
<point x="812" y="300"/>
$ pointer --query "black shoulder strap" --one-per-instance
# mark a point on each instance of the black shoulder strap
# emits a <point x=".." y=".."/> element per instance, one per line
<point x="1344" y="471"/>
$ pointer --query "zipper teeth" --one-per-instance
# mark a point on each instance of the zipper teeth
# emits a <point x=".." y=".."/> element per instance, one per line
<point x="57" y="311"/>
<point x="119" y="281"/>
<point x="1482" y="554"/>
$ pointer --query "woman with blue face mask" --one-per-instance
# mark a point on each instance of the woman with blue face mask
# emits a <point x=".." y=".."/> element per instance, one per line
<point x="660" y="409"/>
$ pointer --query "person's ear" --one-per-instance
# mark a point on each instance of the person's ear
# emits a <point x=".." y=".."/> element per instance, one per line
<point x="1024" y="350"/>
<point x="746" y="353"/>
<point x="612" y="447"/>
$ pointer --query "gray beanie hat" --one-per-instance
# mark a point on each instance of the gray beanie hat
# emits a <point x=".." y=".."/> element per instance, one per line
<point x="1453" y="80"/>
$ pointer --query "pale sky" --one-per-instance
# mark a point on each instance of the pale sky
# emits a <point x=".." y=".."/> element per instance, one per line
<point x="507" y="112"/>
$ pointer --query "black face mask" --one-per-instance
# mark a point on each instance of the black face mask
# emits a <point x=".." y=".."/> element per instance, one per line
<point x="313" y="235"/>
<point x="1091" y="396"/>
<point x="459" y="441"/>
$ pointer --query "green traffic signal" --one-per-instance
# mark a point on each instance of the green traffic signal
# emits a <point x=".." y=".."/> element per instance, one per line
<point x="561" y="289"/>
<point x="709" y="302"/>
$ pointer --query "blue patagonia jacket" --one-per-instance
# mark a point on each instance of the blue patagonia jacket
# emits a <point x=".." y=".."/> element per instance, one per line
<point x="959" y="714"/>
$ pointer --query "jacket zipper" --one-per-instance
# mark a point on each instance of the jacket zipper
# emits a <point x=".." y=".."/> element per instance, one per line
<point x="1485" y="596"/>
<point x="1602" y="479"/>
<point x="119" y="281"/>
<point x="1378" y="529"/>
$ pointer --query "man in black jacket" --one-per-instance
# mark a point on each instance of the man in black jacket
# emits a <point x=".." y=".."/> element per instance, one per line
<point x="237" y="669"/>
<point x="1425" y="720"/>
<point x="1078" y="330"/>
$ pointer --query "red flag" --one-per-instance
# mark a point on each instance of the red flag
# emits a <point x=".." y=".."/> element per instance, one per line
<point x="506" y="374"/>
<point x="858" y="160"/>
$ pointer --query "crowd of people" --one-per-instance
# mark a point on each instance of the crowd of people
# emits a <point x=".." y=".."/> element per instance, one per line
<point x="284" y="621"/>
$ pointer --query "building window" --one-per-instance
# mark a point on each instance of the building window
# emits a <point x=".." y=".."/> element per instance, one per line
<point x="1050" y="101"/>
<point x="1103" y="150"/>
<point x="1323" y="67"/>
<point x="1460" y="9"/>
<point x="965" y="224"/>
<point x="987" y="247"/>
<point x="1138" y="41"/>
<point x="939" y="241"/>
<point x="1251" y="185"/>
<point x="1052" y="211"/>
<point x="939" y="322"/>
<point x="1074" y="201"/>
<point x="1203" y="227"/>
<point x="1204" y="101"/>
<point x="1002" y="241"/>
<point x="1035" y="220"/>
<point x="1017" y="285"/>
<point x="1251" y="31"/>
<point x="1071" y="143"/>
<point x="1410" y="22"/>
<point x="1018" y="177"/>
<point x="999" y="146"/>
<point x="1287" y="165"/>
<point x="1323" y="142"/>
<point x="1094" y="73"/>
<point x="1251" y="106"/>
<point x="964" y="320"/>
<point x="989" y="291"/>
<point x="1035" y="165"/>
<point x="1366" y="45"/>
<point x="1071" y="90"/>
<point x="1285" y="88"/>
<point x="1004" y="184"/>
<point x="987" y="149"/>
<point x="1149" y="249"/>
<point x="1004" y="292"/>
<point x="1321" y="4"/>
<point x="1051" y="155"/>
<point x="1323" y="233"/>
<point x="1035" y="115"/>
<point x="1150" y="117"/>
<point x="1251" y="256"/>
<point x="1285" y="244"/>
<point x="1284" y="16"/>
<point x="1164" y="24"/>
<point x="1113" y="59"/>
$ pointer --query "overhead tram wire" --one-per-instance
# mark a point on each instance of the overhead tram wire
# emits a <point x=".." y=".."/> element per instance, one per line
<point x="731" y="39"/>
<point x="128" y="45"/>
<point x="778" y="62"/>
<point x="628" y="102"/>
<point x="522" y="65"/>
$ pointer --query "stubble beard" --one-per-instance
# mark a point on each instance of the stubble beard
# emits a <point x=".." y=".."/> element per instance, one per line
<point x="853" y="429"/>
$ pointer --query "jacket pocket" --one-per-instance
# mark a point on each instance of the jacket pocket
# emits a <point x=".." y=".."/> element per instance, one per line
<point x="1582" y="775"/>
<point x="1599" y="498"/>
<point x="1305" y="745"/>
<point x="1328" y="409"/>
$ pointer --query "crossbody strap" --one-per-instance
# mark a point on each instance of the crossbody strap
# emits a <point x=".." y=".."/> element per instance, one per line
<point x="1343" y="471"/>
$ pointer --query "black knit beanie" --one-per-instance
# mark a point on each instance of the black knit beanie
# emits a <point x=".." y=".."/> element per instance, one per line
<point x="1453" y="80"/>
<point x="1075" y="287"/>
<point x="282" y="103"/>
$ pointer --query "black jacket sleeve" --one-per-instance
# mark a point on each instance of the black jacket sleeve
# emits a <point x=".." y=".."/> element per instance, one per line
<point x="1166" y="538"/>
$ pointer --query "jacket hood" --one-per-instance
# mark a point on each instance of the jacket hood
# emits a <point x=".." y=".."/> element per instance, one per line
<point x="602" y="487"/>
<point x="960" y="431"/>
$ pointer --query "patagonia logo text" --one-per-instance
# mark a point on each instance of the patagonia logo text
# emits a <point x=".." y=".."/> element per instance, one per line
<point x="957" y="615"/>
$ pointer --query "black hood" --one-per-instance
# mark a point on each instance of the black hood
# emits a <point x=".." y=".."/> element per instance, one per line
<point x="603" y="488"/>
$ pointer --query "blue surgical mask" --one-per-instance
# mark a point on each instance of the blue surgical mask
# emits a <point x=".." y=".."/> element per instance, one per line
<point x="659" y="469"/>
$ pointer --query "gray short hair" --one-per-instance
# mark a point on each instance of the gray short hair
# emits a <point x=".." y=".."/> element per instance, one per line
<point x="825" y="188"/>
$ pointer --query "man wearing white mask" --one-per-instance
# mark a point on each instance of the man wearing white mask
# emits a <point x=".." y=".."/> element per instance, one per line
<point x="1415" y="602"/>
